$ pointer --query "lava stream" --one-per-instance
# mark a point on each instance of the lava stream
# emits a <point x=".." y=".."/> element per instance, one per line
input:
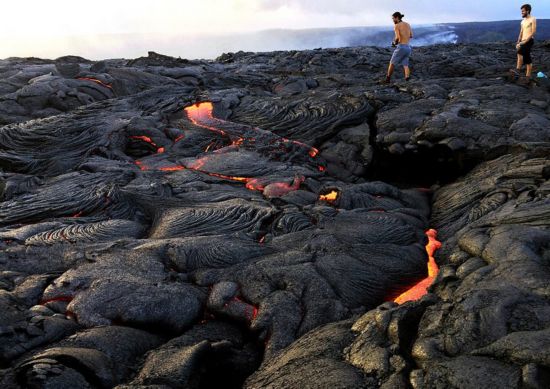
<point x="420" y="289"/>
<point x="201" y="115"/>
<point x="96" y="81"/>
<point x="146" y="139"/>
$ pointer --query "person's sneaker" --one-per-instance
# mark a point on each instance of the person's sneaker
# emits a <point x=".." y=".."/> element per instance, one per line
<point x="514" y="73"/>
<point x="407" y="79"/>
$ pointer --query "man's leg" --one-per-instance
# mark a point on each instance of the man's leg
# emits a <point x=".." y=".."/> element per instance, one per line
<point x="527" y="59"/>
<point x="520" y="62"/>
<point x="391" y="69"/>
<point x="407" y="72"/>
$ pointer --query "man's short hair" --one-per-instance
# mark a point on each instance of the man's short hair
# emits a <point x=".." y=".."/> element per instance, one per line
<point x="526" y="7"/>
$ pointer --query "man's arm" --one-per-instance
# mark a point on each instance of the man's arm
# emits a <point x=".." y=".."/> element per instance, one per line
<point x="534" y="27"/>
<point x="411" y="30"/>
<point x="520" y="34"/>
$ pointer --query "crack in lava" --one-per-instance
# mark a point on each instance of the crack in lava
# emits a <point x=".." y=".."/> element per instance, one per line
<point x="421" y="288"/>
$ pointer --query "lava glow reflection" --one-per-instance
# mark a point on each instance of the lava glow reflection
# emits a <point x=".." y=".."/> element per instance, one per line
<point x="420" y="289"/>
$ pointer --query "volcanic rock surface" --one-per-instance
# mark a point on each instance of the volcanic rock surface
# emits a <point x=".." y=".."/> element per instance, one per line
<point x="248" y="222"/>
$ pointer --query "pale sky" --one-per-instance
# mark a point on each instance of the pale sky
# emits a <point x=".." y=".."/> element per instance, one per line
<point x="61" y="27"/>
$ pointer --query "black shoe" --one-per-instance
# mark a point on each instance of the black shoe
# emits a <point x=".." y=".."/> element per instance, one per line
<point x="407" y="78"/>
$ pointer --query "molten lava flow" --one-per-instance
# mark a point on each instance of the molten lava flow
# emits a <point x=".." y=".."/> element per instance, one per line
<point x="313" y="152"/>
<point x="251" y="311"/>
<point x="420" y="289"/>
<point x="146" y="139"/>
<point x="198" y="164"/>
<point x="141" y="166"/>
<point x="201" y="113"/>
<point x="330" y="197"/>
<point x="224" y="177"/>
<point x="96" y="81"/>
<point x="238" y="142"/>
<point x="212" y="144"/>
<point x="176" y="168"/>
<point x="279" y="189"/>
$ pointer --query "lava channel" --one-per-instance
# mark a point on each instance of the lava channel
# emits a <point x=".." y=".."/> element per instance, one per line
<point x="201" y="115"/>
<point x="148" y="140"/>
<point x="96" y="81"/>
<point x="421" y="288"/>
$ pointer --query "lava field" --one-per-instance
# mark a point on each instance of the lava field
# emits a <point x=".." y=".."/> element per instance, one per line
<point x="275" y="220"/>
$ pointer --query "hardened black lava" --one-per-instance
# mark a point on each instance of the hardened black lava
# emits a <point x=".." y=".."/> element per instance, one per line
<point x="250" y="221"/>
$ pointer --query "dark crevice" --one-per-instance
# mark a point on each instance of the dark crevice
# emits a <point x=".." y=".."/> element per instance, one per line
<point x="229" y="367"/>
<point x="419" y="168"/>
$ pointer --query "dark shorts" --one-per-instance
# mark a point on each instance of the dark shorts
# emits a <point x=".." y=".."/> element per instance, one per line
<point x="401" y="55"/>
<point x="525" y="51"/>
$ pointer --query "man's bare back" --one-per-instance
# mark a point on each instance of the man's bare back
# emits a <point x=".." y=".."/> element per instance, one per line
<point x="403" y="33"/>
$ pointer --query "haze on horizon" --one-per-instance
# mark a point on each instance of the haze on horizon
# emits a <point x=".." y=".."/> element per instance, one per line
<point x="192" y="29"/>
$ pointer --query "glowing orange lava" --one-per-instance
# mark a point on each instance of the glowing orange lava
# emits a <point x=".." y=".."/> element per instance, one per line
<point x="224" y="177"/>
<point x="201" y="115"/>
<point x="146" y="139"/>
<point x="255" y="184"/>
<point x="172" y="168"/>
<point x="96" y="81"/>
<point x="251" y="311"/>
<point x="280" y="189"/>
<point x="420" y="289"/>
<point x="330" y="197"/>
<point x="141" y="166"/>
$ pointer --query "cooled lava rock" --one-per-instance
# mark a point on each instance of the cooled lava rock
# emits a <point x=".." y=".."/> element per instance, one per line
<point x="249" y="221"/>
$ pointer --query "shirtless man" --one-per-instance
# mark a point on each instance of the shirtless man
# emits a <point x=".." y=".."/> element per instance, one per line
<point x="403" y="35"/>
<point x="526" y="40"/>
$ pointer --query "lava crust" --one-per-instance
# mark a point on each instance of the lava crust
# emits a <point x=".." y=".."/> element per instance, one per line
<point x="251" y="222"/>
